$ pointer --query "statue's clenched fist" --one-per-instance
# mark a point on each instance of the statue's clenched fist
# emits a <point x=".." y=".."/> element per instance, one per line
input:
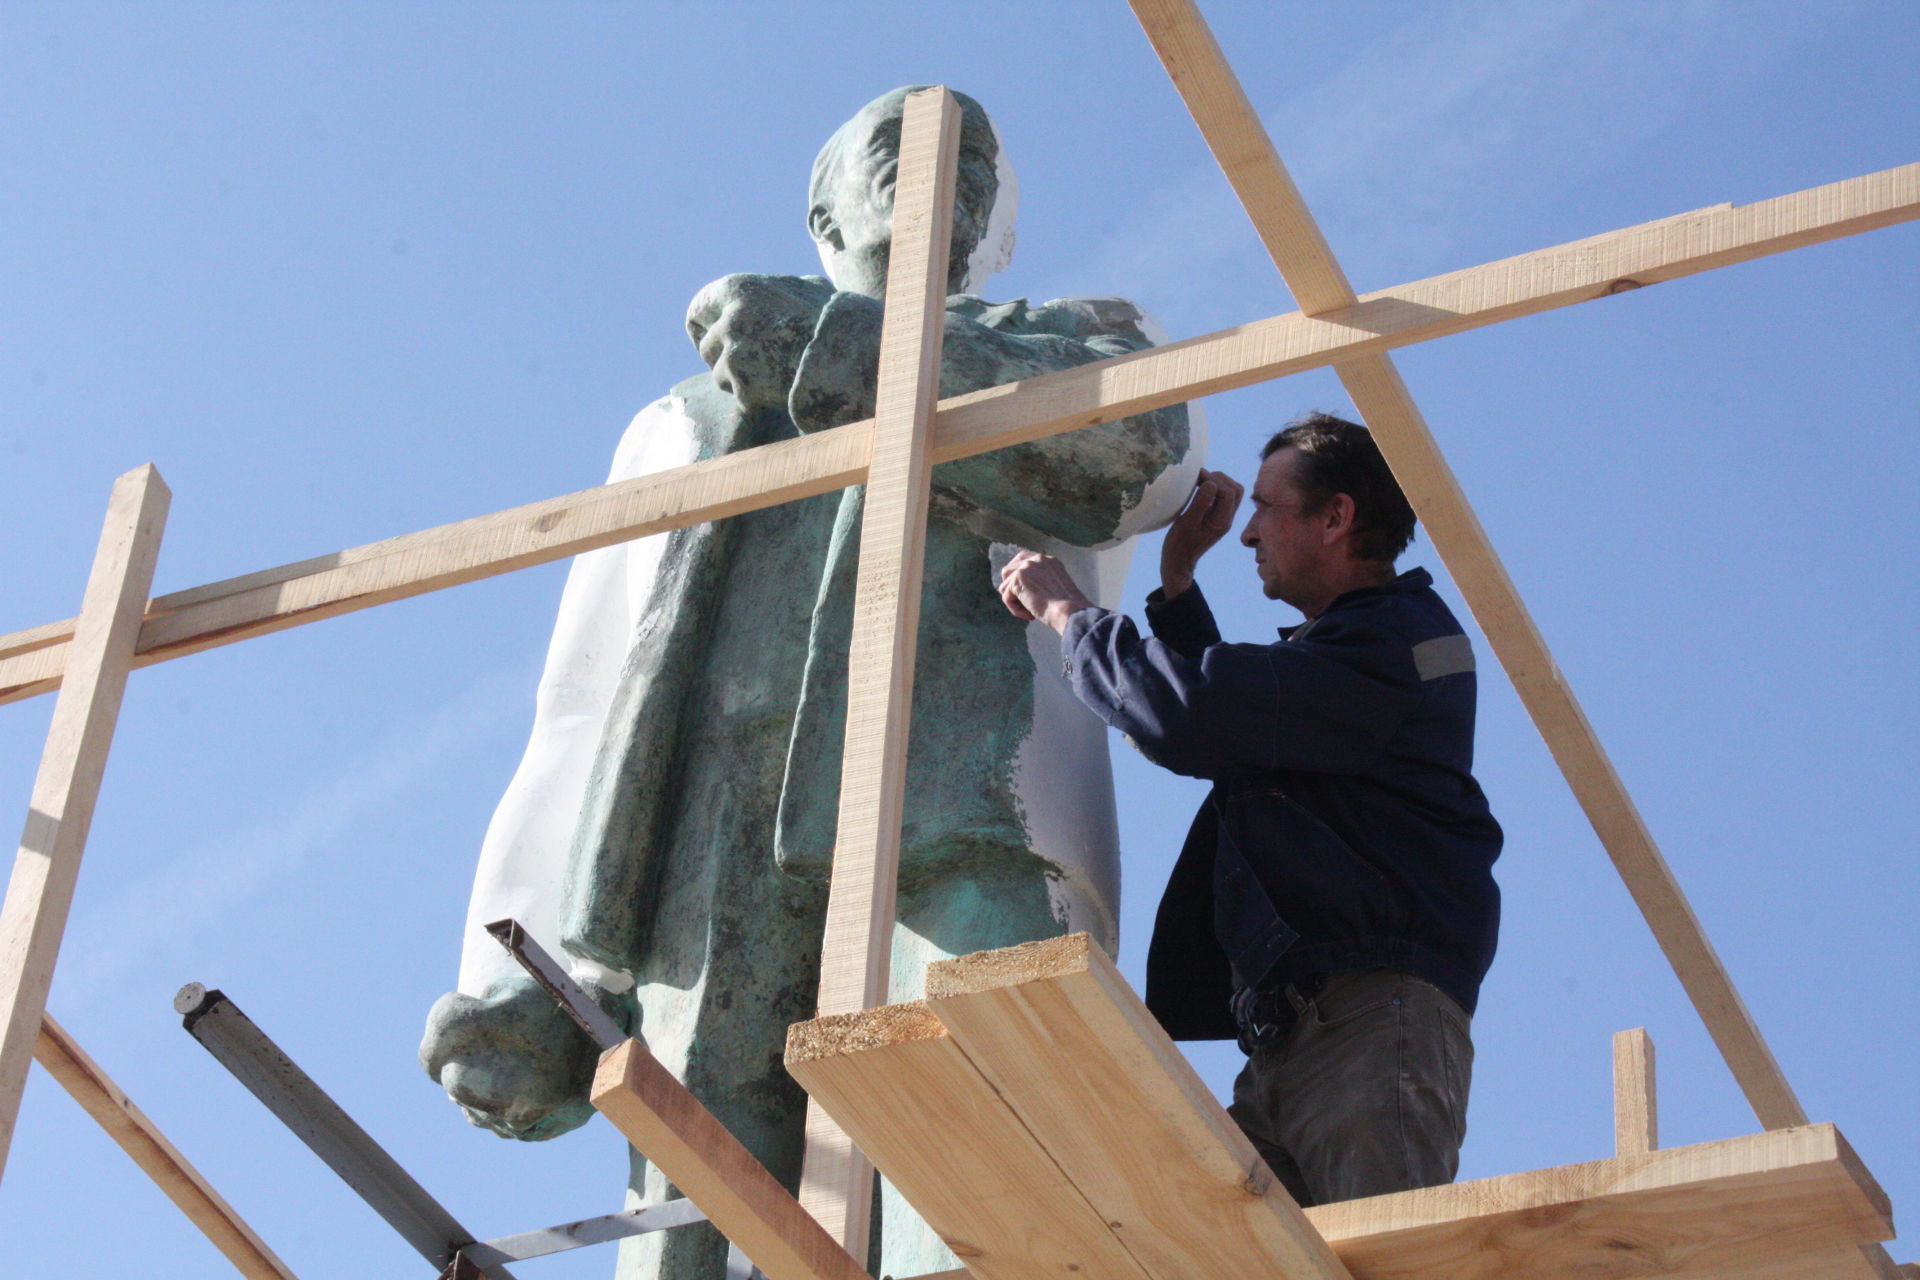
<point x="752" y="329"/>
<point x="512" y="1059"/>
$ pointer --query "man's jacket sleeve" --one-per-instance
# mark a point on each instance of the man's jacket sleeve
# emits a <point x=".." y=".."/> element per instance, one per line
<point x="1327" y="704"/>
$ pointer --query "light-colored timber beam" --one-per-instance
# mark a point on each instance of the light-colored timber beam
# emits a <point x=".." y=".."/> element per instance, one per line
<point x="1240" y="143"/>
<point x="218" y="613"/>
<point x="40" y="890"/>
<point x="31" y="661"/>
<point x="128" y="1126"/>
<point x="949" y="1143"/>
<point x="1059" y="1034"/>
<point x="1456" y="533"/>
<point x="1787" y="1202"/>
<point x="684" y="1140"/>
<point x="1232" y="128"/>
<point x="856" y="950"/>
<point x="1031" y="1096"/>
<point x="1636" y="1108"/>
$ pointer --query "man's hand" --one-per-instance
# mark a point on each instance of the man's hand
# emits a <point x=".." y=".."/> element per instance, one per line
<point x="1039" y="586"/>
<point x="752" y="329"/>
<point x="1207" y="519"/>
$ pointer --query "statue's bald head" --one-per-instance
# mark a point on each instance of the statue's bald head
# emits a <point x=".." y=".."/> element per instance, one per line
<point x="850" y="200"/>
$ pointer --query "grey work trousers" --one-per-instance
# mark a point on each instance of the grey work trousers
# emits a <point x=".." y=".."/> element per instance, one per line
<point x="1365" y="1093"/>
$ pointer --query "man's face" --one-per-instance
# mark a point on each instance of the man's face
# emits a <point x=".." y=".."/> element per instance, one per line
<point x="861" y="197"/>
<point x="1290" y="548"/>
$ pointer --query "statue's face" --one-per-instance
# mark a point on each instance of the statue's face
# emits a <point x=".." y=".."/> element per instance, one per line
<point x="855" y="216"/>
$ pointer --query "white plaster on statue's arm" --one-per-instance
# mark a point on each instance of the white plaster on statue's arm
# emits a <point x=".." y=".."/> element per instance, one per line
<point x="1168" y="492"/>
<point x="523" y="856"/>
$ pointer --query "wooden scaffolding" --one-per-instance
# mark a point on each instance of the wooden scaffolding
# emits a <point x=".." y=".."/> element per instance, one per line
<point x="1077" y="1140"/>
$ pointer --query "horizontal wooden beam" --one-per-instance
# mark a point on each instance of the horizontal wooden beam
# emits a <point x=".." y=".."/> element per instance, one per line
<point x="1865" y="1262"/>
<point x="128" y="1126"/>
<point x="684" y="1140"/>
<point x="31" y="661"/>
<point x="1060" y="1035"/>
<point x="903" y="1090"/>
<point x="1719" y="1208"/>
<point x="483" y="547"/>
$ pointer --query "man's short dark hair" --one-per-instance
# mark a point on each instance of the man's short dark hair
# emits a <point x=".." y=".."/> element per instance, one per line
<point x="1337" y="456"/>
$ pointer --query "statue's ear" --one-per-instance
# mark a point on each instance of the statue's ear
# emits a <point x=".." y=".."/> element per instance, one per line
<point x="823" y="228"/>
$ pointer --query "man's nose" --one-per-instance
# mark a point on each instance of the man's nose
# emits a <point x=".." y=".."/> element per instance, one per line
<point x="1247" y="536"/>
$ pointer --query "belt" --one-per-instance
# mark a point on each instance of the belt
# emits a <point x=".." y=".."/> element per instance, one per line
<point x="1258" y="1012"/>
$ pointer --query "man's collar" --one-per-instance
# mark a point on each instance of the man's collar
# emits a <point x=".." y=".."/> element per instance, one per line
<point x="1415" y="579"/>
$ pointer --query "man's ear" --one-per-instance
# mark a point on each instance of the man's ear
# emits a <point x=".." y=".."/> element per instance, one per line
<point x="1336" y="518"/>
<point x="824" y="229"/>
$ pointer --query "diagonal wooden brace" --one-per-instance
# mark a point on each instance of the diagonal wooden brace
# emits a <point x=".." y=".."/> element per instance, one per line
<point x="670" y="1127"/>
<point x="1292" y="238"/>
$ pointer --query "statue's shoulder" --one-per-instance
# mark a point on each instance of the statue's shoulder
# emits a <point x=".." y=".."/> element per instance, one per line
<point x="1082" y="319"/>
<point x="694" y="420"/>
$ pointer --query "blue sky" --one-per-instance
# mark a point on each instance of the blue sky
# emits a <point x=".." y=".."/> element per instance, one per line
<point x="348" y="271"/>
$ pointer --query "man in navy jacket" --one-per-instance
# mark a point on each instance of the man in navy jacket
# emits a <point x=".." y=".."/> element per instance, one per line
<point x="1333" y="907"/>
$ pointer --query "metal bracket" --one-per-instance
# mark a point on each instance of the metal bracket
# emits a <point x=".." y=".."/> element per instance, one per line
<point x="546" y="971"/>
<point x="574" y="1235"/>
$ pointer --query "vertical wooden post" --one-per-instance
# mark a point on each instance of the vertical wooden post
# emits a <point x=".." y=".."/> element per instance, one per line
<point x="48" y="862"/>
<point x="1636" y="1112"/>
<point x="837" y="1183"/>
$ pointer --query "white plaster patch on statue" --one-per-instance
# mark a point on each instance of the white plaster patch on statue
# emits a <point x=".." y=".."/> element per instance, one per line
<point x="1168" y="492"/>
<point x="523" y="857"/>
<point x="1064" y="784"/>
<point x="994" y="253"/>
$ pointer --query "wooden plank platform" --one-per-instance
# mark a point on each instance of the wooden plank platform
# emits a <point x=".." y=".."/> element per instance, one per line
<point x="902" y="1089"/>
<point x="1061" y="1036"/>
<point x="1030" y="1106"/>
<point x="1739" y="1207"/>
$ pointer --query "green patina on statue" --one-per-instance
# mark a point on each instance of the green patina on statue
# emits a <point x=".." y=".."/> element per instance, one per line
<point x="672" y="826"/>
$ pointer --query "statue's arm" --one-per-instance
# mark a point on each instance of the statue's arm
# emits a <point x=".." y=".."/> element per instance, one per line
<point x="498" y="1044"/>
<point x="1085" y="487"/>
<point x="524" y="853"/>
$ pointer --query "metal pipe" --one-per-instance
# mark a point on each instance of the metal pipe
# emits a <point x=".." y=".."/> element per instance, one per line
<point x="329" y="1132"/>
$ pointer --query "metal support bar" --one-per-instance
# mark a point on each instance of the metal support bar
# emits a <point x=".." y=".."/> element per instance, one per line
<point x="574" y="1235"/>
<point x="739" y="1266"/>
<point x="546" y="971"/>
<point x="317" y="1120"/>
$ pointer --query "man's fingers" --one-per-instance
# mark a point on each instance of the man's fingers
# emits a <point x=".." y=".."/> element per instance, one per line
<point x="1010" y="596"/>
<point x="1226" y="501"/>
